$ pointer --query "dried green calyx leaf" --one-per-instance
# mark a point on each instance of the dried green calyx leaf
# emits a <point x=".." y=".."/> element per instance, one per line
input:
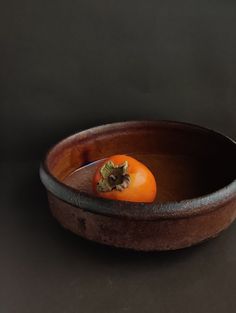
<point x="113" y="177"/>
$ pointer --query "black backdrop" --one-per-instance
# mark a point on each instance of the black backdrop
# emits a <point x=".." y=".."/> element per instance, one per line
<point x="68" y="65"/>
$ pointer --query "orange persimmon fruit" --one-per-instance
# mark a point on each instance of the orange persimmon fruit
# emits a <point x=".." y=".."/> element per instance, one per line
<point x="121" y="177"/>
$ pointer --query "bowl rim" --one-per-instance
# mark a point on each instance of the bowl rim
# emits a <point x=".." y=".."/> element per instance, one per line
<point x="133" y="210"/>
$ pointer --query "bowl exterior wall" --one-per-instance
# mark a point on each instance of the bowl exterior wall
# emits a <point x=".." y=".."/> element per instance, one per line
<point x="149" y="235"/>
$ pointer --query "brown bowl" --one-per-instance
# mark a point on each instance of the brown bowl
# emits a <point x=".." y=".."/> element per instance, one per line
<point x="195" y="171"/>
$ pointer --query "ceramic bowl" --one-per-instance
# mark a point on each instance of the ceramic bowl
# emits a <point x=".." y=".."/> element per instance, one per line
<point x="195" y="170"/>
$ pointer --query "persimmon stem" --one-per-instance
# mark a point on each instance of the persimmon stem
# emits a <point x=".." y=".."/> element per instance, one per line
<point x="113" y="177"/>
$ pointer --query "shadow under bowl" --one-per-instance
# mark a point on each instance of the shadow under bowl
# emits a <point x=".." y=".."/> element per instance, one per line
<point x="195" y="172"/>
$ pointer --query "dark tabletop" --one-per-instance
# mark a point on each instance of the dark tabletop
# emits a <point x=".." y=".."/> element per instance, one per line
<point x="69" y="65"/>
<point x="44" y="268"/>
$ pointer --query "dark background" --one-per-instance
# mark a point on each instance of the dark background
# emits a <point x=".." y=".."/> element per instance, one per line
<point x="69" y="65"/>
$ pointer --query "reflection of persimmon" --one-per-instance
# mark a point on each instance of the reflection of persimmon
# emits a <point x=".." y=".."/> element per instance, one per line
<point x="121" y="177"/>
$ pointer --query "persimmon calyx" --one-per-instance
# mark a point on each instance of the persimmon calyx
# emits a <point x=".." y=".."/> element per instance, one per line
<point x="113" y="177"/>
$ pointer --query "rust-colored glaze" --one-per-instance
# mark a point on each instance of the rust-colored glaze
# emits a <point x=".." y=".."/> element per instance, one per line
<point x="195" y="171"/>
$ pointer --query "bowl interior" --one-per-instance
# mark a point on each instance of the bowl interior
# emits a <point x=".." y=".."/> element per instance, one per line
<point x="187" y="161"/>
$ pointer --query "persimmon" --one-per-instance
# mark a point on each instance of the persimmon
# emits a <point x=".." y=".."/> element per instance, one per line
<point x="121" y="177"/>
